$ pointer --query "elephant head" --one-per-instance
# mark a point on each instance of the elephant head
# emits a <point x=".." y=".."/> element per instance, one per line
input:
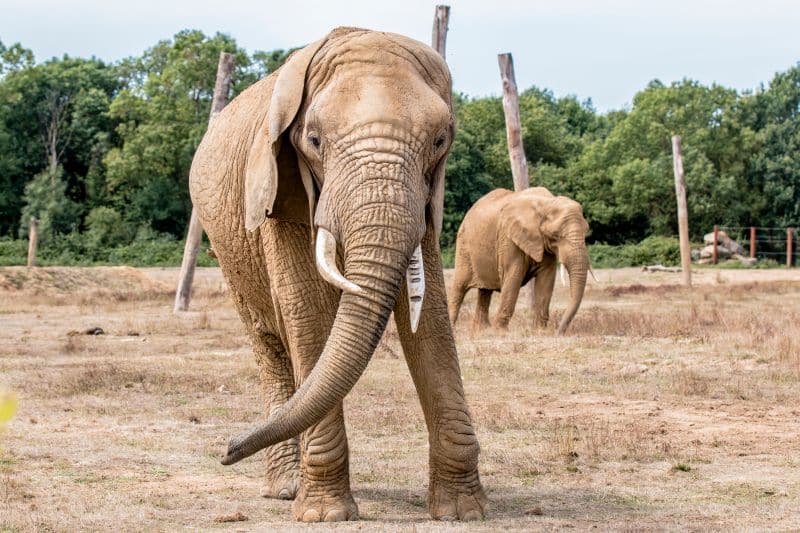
<point x="354" y="142"/>
<point x="540" y="223"/>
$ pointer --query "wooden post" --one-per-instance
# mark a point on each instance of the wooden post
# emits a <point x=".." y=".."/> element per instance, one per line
<point x="714" y="255"/>
<point x="789" y="254"/>
<point x="195" y="233"/>
<point x="752" y="241"/>
<point x="516" y="152"/>
<point x="33" y="241"/>
<point x="683" y="213"/>
<point x="440" y="20"/>
<point x="519" y="165"/>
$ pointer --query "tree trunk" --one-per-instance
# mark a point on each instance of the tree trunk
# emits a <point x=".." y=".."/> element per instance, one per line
<point x="683" y="213"/>
<point x="439" y="38"/>
<point x="33" y="240"/>
<point x="194" y="235"/>
<point x="516" y="152"/>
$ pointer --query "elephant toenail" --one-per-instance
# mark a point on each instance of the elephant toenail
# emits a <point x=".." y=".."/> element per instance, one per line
<point x="312" y="515"/>
<point x="335" y="515"/>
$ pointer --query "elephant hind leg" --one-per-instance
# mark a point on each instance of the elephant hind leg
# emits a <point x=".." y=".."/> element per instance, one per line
<point x="481" y="318"/>
<point x="457" y="293"/>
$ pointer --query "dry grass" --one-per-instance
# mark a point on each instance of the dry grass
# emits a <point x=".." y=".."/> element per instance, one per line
<point x="663" y="408"/>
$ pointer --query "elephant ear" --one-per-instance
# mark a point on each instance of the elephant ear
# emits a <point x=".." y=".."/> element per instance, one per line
<point x="523" y="226"/>
<point x="436" y="199"/>
<point x="271" y="161"/>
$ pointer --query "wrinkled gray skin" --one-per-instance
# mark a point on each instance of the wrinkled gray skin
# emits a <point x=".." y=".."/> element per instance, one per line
<point x="352" y="133"/>
<point x="508" y="238"/>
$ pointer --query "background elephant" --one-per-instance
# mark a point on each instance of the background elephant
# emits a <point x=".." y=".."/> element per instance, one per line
<point x="351" y="133"/>
<point x="506" y="239"/>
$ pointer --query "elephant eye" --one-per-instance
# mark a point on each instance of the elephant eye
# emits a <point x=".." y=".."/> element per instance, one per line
<point x="439" y="142"/>
<point x="313" y="139"/>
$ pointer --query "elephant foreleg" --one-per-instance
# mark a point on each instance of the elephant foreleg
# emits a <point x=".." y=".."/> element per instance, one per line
<point x="277" y="384"/>
<point x="508" y="295"/>
<point x="454" y="490"/>
<point x="481" y="318"/>
<point x="543" y="291"/>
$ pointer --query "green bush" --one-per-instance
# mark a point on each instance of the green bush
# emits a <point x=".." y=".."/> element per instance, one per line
<point x="13" y="252"/>
<point x="651" y="251"/>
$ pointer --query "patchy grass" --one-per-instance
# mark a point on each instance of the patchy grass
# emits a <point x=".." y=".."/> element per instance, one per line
<point x="662" y="408"/>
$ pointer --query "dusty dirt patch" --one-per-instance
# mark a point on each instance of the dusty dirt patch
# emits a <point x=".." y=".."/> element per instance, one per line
<point x="663" y="408"/>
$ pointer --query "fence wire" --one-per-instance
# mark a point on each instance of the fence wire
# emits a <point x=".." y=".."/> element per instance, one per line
<point x="771" y="242"/>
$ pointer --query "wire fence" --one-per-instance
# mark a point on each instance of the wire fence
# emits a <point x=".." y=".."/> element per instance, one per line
<point x="762" y="242"/>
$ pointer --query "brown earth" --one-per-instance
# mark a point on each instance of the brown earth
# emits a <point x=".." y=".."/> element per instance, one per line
<point x="663" y="408"/>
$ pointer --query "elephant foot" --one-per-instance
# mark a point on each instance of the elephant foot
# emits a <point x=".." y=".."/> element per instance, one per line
<point x="283" y="486"/>
<point x="325" y="508"/>
<point x="462" y="501"/>
<point x="283" y="471"/>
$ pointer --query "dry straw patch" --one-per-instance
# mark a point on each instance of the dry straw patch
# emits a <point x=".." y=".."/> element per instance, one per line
<point x="663" y="407"/>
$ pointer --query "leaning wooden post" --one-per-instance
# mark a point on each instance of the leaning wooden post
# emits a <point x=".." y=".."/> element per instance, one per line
<point x="439" y="37"/>
<point x="33" y="241"/>
<point x="195" y="233"/>
<point x="683" y="213"/>
<point x="519" y="165"/>
<point x="752" y="241"/>
<point x="789" y="255"/>
<point x="516" y="152"/>
<point x="714" y="254"/>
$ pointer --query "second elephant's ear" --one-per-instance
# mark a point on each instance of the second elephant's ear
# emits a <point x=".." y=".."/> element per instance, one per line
<point x="262" y="171"/>
<point x="524" y="227"/>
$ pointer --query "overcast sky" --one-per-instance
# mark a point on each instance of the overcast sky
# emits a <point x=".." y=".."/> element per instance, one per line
<point x="606" y="50"/>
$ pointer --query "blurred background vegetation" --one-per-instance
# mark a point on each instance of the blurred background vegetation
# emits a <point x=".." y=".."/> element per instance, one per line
<point x="100" y="154"/>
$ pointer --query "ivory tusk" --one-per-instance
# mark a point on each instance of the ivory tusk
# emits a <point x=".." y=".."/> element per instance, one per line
<point x="415" y="280"/>
<point x="561" y="270"/>
<point x="326" y="263"/>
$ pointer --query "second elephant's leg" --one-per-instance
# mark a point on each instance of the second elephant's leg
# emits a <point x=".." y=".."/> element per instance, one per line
<point x="481" y="318"/>
<point x="508" y="296"/>
<point x="543" y="292"/>
<point x="454" y="490"/>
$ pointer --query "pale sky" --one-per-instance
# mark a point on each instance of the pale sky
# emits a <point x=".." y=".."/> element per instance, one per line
<point x="603" y="49"/>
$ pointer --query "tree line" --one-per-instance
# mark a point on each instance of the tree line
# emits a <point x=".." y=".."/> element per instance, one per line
<point x="100" y="152"/>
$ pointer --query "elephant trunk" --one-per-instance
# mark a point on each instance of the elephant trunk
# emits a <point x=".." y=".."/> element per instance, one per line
<point x="576" y="261"/>
<point x="375" y="259"/>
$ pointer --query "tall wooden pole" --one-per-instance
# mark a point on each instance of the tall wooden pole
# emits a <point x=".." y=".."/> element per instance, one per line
<point x="683" y="213"/>
<point x="195" y="233"/>
<point x="33" y="241"/>
<point x="519" y="165"/>
<point x="752" y="241"/>
<point x="439" y="37"/>
<point x="516" y="152"/>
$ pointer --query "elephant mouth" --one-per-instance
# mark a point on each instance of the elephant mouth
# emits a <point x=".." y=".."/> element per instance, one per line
<point x="326" y="248"/>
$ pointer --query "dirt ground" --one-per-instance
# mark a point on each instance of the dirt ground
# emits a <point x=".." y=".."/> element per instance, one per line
<point x="663" y="408"/>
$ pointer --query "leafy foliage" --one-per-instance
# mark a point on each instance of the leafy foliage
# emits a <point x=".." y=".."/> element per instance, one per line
<point x="100" y="153"/>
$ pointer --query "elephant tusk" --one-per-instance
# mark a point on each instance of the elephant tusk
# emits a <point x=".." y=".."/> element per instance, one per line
<point x="415" y="280"/>
<point x="591" y="271"/>
<point x="326" y="263"/>
<point x="561" y="270"/>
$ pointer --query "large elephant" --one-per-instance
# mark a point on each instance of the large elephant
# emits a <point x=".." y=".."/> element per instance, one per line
<point x="341" y="150"/>
<point x="506" y="239"/>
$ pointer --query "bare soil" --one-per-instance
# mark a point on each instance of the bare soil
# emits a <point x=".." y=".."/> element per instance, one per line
<point x="663" y="408"/>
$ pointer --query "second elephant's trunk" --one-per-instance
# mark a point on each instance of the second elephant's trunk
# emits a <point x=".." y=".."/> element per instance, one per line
<point x="576" y="261"/>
